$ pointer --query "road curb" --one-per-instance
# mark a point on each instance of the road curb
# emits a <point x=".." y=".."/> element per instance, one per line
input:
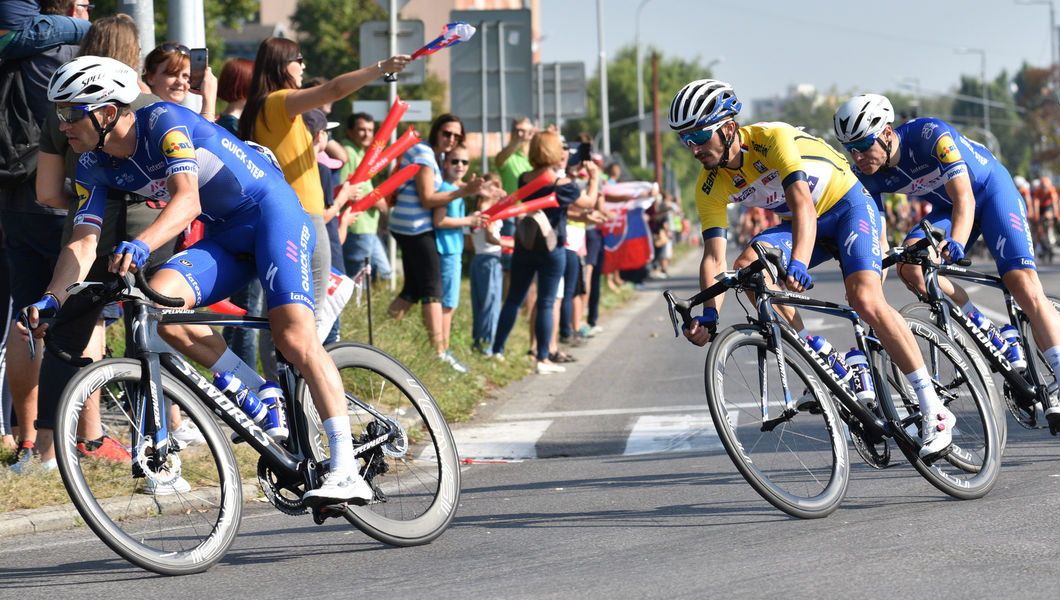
<point x="65" y="516"/>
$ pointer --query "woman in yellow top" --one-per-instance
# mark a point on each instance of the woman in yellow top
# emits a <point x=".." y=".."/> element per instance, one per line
<point x="273" y="118"/>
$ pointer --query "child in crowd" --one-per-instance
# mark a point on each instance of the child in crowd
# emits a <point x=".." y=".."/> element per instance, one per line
<point x="487" y="277"/>
<point x="449" y="221"/>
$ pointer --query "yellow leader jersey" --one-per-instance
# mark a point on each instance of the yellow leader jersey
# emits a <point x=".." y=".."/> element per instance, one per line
<point x="774" y="156"/>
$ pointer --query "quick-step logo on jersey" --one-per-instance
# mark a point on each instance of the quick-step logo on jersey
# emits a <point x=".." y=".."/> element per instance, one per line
<point x="946" y="150"/>
<point x="175" y="144"/>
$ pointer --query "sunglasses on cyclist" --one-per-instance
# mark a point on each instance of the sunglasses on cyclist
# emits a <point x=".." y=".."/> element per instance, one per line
<point x="861" y="145"/>
<point x="459" y="161"/>
<point x="701" y="136"/>
<point x="171" y="47"/>
<point x="73" y="114"/>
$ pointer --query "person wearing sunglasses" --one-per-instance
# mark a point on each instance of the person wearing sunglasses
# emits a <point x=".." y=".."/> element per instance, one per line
<point x="412" y="225"/>
<point x="204" y="172"/>
<point x="272" y="117"/>
<point x="810" y="186"/>
<point x="972" y="195"/>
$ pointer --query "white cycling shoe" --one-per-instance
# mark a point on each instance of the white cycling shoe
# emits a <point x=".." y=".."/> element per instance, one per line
<point x="339" y="489"/>
<point x="938" y="434"/>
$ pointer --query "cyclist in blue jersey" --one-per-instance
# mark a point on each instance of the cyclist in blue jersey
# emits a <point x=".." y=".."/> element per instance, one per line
<point x="971" y="193"/>
<point x="167" y="152"/>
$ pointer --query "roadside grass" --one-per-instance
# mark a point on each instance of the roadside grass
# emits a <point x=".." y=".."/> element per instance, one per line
<point x="457" y="394"/>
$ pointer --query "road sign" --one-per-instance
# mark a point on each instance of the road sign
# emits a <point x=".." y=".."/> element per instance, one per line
<point x="375" y="46"/>
<point x="503" y="43"/>
<point x="419" y="110"/>
<point x="572" y="98"/>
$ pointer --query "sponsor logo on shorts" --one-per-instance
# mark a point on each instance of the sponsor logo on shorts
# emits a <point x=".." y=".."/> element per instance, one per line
<point x="303" y="259"/>
<point x="185" y="262"/>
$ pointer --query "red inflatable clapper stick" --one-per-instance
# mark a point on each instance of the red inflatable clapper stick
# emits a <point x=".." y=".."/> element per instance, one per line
<point x="532" y="186"/>
<point x="385" y="189"/>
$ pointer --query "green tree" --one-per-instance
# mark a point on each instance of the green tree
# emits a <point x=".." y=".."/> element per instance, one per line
<point x="622" y="100"/>
<point x="1040" y="121"/>
<point x="329" y="35"/>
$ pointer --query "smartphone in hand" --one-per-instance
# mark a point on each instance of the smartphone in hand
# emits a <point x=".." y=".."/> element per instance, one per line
<point x="199" y="59"/>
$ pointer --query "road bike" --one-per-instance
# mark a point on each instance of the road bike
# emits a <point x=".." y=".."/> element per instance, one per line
<point x="1026" y="391"/>
<point x="784" y="415"/>
<point x="175" y="508"/>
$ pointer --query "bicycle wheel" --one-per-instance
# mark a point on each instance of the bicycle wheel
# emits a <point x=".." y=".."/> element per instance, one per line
<point x="971" y="468"/>
<point x="800" y="464"/>
<point x="416" y="472"/>
<point x="980" y="366"/>
<point x="1038" y="356"/>
<point x="173" y="520"/>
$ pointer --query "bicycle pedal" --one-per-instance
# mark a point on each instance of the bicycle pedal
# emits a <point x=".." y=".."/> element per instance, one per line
<point x="931" y="458"/>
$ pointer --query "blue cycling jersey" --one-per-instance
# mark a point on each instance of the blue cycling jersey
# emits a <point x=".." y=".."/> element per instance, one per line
<point x="247" y="205"/>
<point x="932" y="153"/>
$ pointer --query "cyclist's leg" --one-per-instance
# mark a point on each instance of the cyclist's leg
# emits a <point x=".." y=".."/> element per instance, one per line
<point x="779" y="236"/>
<point x="856" y="221"/>
<point x="912" y="276"/>
<point x="1005" y="231"/>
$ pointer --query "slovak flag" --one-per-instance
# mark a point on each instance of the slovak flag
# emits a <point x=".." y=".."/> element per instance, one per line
<point x="627" y="238"/>
<point x="452" y="34"/>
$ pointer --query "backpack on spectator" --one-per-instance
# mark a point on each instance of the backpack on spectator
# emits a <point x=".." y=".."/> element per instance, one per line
<point x="19" y="132"/>
<point x="534" y="232"/>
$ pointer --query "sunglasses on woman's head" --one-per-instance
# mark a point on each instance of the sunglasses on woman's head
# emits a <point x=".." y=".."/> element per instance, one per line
<point x="171" y="47"/>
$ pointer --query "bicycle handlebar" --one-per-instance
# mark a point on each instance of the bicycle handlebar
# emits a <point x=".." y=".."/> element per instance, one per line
<point x="932" y="236"/>
<point x="769" y="259"/>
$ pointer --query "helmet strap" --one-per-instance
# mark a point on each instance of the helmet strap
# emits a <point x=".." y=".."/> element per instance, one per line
<point x="887" y="149"/>
<point x="101" y="130"/>
<point x="726" y="143"/>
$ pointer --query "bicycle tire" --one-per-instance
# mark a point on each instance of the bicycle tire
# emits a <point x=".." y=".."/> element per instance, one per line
<point x="417" y="494"/>
<point x="178" y="533"/>
<point x="801" y="466"/>
<point x="980" y="365"/>
<point x="1040" y="364"/>
<point x="972" y="467"/>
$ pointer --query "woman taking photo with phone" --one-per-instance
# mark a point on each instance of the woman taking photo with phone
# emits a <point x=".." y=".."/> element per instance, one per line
<point x="167" y="72"/>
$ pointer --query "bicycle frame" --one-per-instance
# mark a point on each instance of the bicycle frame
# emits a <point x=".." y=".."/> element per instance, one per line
<point x="949" y="313"/>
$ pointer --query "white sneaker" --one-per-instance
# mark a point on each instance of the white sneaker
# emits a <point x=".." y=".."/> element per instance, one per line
<point x="173" y="485"/>
<point x="337" y="489"/>
<point x="544" y="368"/>
<point x="938" y="433"/>
<point x="447" y="357"/>
<point x="188" y="434"/>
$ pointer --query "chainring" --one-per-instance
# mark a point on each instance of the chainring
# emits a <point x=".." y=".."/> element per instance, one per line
<point x="877" y="456"/>
<point x="285" y="499"/>
<point x="1026" y="415"/>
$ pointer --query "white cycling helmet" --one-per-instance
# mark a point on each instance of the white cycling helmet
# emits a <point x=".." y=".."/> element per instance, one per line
<point x="1020" y="181"/>
<point x="94" y="80"/>
<point x="703" y="102"/>
<point x="862" y="116"/>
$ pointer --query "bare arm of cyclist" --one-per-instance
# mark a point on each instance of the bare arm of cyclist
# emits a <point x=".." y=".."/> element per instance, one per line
<point x="959" y="189"/>
<point x="803" y="225"/>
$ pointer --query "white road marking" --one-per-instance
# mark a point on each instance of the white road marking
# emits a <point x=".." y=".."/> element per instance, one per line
<point x="672" y="433"/>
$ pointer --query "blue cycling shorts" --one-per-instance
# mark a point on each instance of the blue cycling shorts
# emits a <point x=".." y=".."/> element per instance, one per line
<point x="852" y="225"/>
<point x="275" y="240"/>
<point x="1001" y="218"/>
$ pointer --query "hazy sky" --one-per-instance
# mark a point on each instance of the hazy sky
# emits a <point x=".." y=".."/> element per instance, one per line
<point x="768" y="45"/>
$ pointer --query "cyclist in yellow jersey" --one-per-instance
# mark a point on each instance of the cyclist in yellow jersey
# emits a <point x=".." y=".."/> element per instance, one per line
<point x="807" y="183"/>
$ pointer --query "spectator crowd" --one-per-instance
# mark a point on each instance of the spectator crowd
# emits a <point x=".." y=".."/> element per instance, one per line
<point x="438" y="218"/>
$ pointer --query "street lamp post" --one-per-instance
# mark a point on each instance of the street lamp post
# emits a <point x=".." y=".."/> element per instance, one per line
<point x="1052" y="29"/>
<point x="982" y="72"/>
<point x="604" y="107"/>
<point x="641" y="136"/>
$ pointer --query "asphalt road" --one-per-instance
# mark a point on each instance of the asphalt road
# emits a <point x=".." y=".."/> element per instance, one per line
<point x="606" y="482"/>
